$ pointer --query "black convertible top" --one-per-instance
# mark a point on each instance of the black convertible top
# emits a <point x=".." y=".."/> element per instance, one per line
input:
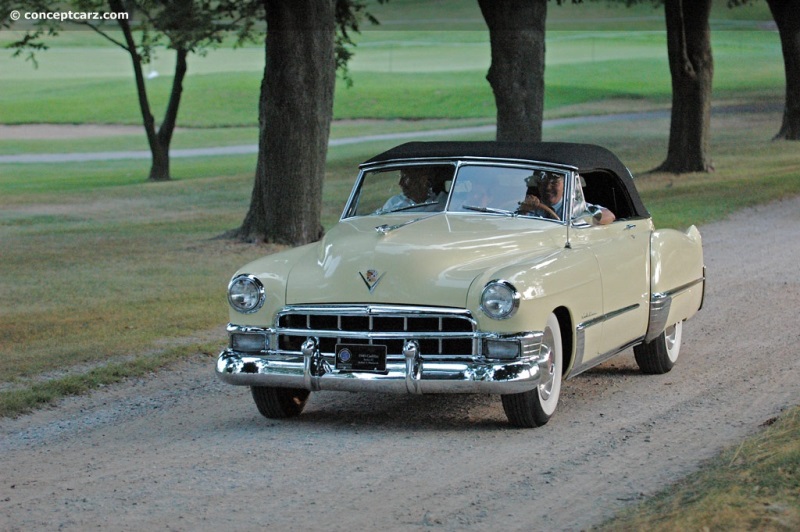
<point x="584" y="158"/>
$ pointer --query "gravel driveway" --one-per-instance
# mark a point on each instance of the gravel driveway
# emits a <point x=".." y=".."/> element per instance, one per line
<point x="182" y="451"/>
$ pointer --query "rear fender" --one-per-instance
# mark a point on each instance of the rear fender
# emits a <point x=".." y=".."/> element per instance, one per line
<point x="677" y="283"/>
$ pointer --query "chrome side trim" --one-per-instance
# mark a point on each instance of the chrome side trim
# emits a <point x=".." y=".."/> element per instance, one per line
<point x="703" y="295"/>
<point x="675" y="291"/>
<point x="609" y="316"/>
<point x="659" y="312"/>
<point x="660" y="304"/>
<point x="577" y="370"/>
<point x="580" y="346"/>
<point x="580" y="331"/>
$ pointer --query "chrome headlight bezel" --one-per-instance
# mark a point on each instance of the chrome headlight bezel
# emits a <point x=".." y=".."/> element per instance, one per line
<point x="499" y="299"/>
<point x="246" y="294"/>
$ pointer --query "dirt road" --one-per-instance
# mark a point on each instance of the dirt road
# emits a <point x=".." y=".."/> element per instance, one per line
<point x="182" y="451"/>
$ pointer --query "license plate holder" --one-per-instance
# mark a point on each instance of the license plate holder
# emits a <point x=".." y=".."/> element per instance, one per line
<point x="361" y="358"/>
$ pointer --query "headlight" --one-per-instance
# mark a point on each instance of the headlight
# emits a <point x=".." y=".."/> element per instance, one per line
<point x="499" y="300"/>
<point x="246" y="293"/>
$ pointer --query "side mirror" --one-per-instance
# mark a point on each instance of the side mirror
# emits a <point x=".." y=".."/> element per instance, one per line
<point x="596" y="214"/>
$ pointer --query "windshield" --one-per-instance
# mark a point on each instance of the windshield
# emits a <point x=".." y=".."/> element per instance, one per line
<point x="417" y="188"/>
<point x="508" y="190"/>
<point x="494" y="189"/>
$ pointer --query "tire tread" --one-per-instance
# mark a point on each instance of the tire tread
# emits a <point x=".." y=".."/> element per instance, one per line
<point x="279" y="403"/>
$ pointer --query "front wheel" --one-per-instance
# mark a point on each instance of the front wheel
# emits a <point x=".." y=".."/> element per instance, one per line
<point x="535" y="407"/>
<point x="279" y="403"/>
<point x="659" y="355"/>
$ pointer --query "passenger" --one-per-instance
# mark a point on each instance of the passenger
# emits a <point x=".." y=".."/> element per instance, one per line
<point x="415" y="183"/>
<point x="550" y="201"/>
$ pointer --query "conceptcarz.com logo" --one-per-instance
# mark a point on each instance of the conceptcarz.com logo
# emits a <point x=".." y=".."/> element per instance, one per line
<point x="79" y="16"/>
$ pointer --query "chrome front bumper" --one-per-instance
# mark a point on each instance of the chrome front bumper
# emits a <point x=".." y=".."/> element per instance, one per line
<point x="413" y="374"/>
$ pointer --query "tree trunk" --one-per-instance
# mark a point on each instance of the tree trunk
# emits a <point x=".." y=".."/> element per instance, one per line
<point x="787" y="16"/>
<point x="159" y="171"/>
<point x="691" y="65"/>
<point x="516" y="75"/>
<point x="295" y="112"/>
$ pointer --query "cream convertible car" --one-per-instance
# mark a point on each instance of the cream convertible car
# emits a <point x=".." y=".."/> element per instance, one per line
<point x="441" y="278"/>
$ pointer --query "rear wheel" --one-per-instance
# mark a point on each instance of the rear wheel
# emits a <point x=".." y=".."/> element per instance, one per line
<point x="659" y="355"/>
<point x="279" y="403"/>
<point x="535" y="407"/>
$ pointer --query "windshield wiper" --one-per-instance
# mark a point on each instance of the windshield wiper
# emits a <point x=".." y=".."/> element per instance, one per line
<point x="386" y="228"/>
<point x="408" y="207"/>
<point x="489" y="210"/>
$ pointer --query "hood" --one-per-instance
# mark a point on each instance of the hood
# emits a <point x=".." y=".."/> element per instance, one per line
<point x="422" y="259"/>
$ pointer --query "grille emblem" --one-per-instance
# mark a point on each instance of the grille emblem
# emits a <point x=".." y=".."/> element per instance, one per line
<point x="371" y="278"/>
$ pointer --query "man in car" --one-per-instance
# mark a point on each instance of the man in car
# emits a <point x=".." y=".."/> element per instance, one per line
<point x="416" y="185"/>
<point x="550" y="201"/>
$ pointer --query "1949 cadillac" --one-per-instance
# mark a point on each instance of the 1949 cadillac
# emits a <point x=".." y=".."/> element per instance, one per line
<point x="453" y="269"/>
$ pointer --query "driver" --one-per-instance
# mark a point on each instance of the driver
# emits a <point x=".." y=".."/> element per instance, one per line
<point x="550" y="200"/>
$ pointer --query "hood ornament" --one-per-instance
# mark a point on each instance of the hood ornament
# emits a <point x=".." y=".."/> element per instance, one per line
<point x="371" y="278"/>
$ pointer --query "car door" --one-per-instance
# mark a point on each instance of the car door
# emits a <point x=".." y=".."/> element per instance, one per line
<point x="622" y="251"/>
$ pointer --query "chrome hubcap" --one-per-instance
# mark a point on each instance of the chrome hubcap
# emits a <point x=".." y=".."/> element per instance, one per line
<point x="671" y="335"/>
<point x="546" y="386"/>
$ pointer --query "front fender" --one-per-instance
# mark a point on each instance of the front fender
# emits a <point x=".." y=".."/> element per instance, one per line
<point x="565" y="278"/>
<point x="273" y="271"/>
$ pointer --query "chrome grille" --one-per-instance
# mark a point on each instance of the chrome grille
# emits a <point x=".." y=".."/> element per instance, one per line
<point x="439" y="332"/>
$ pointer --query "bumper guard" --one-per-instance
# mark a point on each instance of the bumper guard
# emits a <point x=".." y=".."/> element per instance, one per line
<point x="414" y="374"/>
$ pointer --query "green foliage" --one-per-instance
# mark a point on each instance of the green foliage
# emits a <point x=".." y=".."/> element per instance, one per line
<point x="348" y="15"/>
<point x="190" y="25"/>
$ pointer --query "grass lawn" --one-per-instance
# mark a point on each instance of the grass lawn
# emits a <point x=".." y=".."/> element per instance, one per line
<point x="754" y="485"/>
<point x="81" y="239"/>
